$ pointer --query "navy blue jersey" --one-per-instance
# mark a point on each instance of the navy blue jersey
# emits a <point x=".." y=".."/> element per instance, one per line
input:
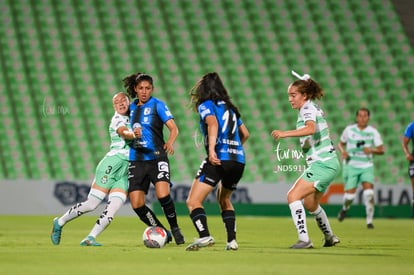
<point x="228" y="146"/>
<point x="409" y="133"/>
<point x="150" y="117"/>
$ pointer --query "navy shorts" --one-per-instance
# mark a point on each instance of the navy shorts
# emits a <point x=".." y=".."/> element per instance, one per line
<point x="229" y="173"/>
<point x="142" y="173"/>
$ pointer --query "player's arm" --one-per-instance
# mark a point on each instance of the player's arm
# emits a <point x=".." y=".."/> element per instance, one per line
<point x="124" y="133"/>
<point x="244" y="133"/>
<point x="342" y="149"/>
<point x="378" y="150"/>
<point x="169" y="144"/>
<point x="309" y="129"/>
<point x="212" y="132"/>
<point x="405" y="142"/>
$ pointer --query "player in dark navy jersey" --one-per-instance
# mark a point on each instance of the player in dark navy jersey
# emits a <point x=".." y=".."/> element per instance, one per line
<point x="409" y="136"/>
<point x="148" y="155"/>
<point x="224" y="135"/>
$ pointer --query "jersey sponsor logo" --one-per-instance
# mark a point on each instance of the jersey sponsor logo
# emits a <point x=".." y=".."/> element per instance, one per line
<point x="232" y="151"/>
<point x="119" y="123"/>
<point x="163" y="166"/>
<point x="307" y="115"/>
<point x="205" y="112"/>
<point x="163" y="175"/>
<point x="147" y="111"/>
<point x="230" y="142"/>
<point x="207" y="179"/>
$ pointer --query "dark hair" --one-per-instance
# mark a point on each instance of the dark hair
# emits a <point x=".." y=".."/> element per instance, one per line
<point x="131" y="81"/>
<point x="210" y="87"/>
<point x="363" y="109"/>
<point x="309" y="87"/>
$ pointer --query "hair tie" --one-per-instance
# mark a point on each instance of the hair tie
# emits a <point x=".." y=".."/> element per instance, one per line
<point x="303" y="77"/>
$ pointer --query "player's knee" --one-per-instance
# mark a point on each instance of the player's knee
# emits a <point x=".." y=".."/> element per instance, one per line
<point x="90" y="205"/>
<point x="193" y="204"/>
<point x="291" y="197"/>
<point x="189" y="203"/>
<point x="225" y="203"/>
<point x="349" y="196"/>
<point x="368" y="195"/>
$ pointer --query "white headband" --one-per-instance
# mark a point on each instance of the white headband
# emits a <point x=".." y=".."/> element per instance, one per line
<point x="303" y="77"/>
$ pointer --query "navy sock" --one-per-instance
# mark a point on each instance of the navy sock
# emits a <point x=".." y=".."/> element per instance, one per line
<point x="148" y="217"/>
<point x="168" y="207"/>
<point x="229" y="219"/>
<point x="199" y="218"/>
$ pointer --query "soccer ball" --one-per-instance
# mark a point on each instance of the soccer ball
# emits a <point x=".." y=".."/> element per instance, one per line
<point x="154" y="237"/>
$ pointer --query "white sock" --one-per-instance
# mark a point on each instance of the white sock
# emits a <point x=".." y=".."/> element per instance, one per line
<point x="114" y="203"/>
<point x="348" y="199"/>
<point x="322" y="221"/>
<point x="79" y="209"/>
<point x="368" y="195"/>
<point x="299" y="219"/>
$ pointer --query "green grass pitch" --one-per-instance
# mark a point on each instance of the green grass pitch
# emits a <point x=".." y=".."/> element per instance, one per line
<point x="25" y="248"/>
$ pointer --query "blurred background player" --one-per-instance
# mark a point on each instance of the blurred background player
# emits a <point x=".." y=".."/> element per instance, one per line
<point x="111" y="177"/>
<point x="409" y="135"/>
<point x="321" y="159"/>
<point x="358" y="143"/>
<point x="224" y="135"/>
<point x="149" y="153"/>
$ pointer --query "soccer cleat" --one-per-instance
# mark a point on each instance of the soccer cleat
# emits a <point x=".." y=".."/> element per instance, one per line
<point x="202" y="242"/>
<point x="341" y="215"/>
<point x="56" y="232"/>
<point x="302" y="245"/>
<point x="89" y="241"/>
<point x="232" y="245"/>
<point x="370" y="226"/>
<point x="331" y="241"/>
<point x="178" y="237"/>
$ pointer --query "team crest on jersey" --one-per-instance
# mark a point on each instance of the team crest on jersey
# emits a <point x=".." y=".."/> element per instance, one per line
<point x="104" y="179"/>
<point x="147" y="111"/>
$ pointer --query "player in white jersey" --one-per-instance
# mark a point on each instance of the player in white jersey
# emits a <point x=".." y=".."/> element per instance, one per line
<point x="359" y="142"/>
<point x="111" y="178"/>
<point x="321" y="159"/>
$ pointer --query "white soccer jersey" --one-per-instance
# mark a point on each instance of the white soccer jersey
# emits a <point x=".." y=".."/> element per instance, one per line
<point x="319" y="145"/>
<point x="118" y="145"/>
<point x="356" y="140"/>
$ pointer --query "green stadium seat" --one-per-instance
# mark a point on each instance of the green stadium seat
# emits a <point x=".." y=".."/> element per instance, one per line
<point x="73" y="55"/>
